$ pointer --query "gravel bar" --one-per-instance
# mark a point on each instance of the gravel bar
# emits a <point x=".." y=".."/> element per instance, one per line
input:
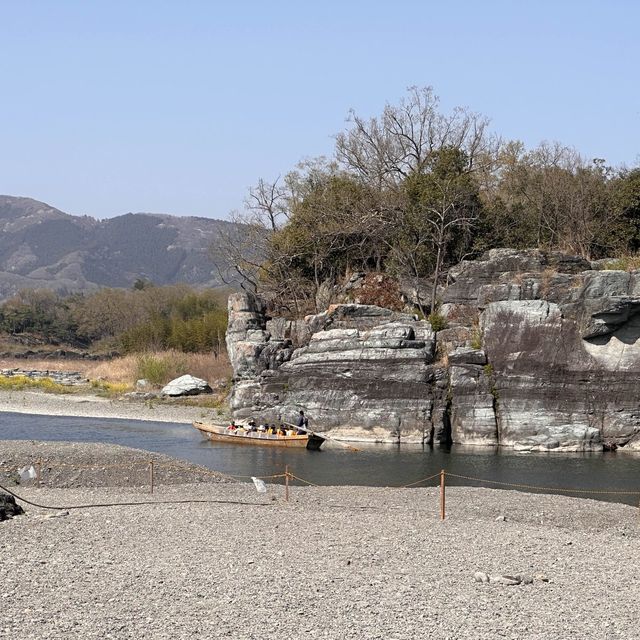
<point x="80" y="464"/>
<point x="92" y="406"/>
<point x="333" y="562"/>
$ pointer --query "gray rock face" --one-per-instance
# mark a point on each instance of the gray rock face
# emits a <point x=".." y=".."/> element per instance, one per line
<point x="363" y="371"/>
<point x="541" y="353"/>
<point x="186" y="386"/>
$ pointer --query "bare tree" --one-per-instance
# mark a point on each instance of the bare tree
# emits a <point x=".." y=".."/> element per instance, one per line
<point x="387" y="150"/>
<point x="405" y="147"/>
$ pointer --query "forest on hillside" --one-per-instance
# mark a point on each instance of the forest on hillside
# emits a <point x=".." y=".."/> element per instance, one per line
<point x="414" y="190"/>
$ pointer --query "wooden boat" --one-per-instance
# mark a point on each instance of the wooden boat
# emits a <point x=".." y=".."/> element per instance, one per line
<point x="220" y="433"/>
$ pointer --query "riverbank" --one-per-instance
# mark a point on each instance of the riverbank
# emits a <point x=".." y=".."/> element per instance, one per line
<point x="93" y="406"/>
<point x="89" y="465"/>
<point x="347" y="562"/>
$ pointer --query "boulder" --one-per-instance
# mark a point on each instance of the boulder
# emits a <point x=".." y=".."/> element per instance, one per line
<point x="186" y="385"/>
<point x="9" y="507"/>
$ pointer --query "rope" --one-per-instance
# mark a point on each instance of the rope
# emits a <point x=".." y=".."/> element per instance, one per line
<point x="411" y="484"/>
<point x="219" y="474"/>
<point x="538" y="488"/>
<point x="132" y="504"/>
<point x="211" y="472"/>
<point x="312" y="484"/>
<point x="323" y="435"/>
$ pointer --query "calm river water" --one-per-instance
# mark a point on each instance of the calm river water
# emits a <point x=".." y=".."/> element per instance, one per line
<point x="374" y="465"/>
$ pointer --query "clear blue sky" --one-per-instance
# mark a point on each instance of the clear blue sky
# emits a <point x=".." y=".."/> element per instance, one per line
<point x="108" y="107"/>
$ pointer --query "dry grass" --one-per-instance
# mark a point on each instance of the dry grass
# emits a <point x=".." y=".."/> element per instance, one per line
<point x="18" y="383"/>
<point x="546" y="279"/>
<point x="124" y="370"/>
<point x="624" y="263"/>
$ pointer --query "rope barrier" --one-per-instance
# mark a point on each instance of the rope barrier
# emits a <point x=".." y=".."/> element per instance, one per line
<point x="539" y="488"/>
<point x="132" y="504"/>
<point x="411" y="484"/>
<point x="312" y="484"/>
<point x="209" y="472"/>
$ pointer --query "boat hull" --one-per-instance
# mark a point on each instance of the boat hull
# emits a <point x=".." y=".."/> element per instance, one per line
<point x="218" y="433"/>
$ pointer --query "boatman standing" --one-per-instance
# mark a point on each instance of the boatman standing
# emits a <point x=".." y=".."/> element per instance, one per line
<point x="303" y="424"/>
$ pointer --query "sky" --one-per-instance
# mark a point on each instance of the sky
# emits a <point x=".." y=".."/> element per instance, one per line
<point x="109" y="106"/>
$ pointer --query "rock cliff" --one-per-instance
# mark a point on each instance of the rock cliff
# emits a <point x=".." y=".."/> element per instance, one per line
<point x="540" y="352"/>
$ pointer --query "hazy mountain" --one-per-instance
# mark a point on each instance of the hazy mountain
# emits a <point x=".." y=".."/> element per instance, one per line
<point x="42" y="247"/>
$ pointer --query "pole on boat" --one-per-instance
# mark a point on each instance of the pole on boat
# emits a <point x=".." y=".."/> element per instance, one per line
<point x="286" y="483"/>
<point x="151" y="475"/>
<point x="324" y="436"/>
<point x="442" y="495"/>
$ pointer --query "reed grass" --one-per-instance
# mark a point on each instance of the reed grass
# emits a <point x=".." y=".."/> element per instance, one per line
<point x="119" y="375"/>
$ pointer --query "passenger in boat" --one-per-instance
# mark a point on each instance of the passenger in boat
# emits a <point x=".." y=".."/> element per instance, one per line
<point x="262" y="428"/>
<point x="232" y="426"/>
<point x="282" y="431"/>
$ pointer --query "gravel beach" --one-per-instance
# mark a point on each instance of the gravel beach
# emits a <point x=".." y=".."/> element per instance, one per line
<point x="333" y="562"/>
<point x="347" y="562"/>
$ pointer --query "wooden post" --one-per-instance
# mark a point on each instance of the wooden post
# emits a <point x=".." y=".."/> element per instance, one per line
<point x="151" y="475"/>
<point x="39" y="472"/>
<point x="286" y="483"/>
<point x="442" y="495"/>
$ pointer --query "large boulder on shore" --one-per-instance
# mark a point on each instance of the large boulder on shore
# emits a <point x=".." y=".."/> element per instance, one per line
<point x="186" y="386"/>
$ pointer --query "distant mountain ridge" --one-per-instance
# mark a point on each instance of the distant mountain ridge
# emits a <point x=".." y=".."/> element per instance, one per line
<point x="43" y="247"/>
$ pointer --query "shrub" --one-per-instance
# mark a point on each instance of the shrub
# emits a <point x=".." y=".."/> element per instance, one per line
<point x="476" y="339"/>
<point x="161" y="369"/>
<point x="437" y="320"/>
<point x="110" y="388"/>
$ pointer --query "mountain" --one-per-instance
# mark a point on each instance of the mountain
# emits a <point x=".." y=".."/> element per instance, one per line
<point x="43" y="247"/>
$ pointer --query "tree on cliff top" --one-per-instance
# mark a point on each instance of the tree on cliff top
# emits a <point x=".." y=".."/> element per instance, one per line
<point x="431" y="163"/>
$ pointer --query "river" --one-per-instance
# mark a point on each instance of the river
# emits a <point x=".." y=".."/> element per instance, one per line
<point x="373" y="465"/>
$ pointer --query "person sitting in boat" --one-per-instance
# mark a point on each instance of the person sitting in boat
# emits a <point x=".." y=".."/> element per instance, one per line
<point x="282" y="431"/>
<point x="303" y="423"/>
<point x="232" y="426"/>
<point x="262" y="428"/>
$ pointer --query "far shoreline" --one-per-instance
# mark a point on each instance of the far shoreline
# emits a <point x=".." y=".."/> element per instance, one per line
<point x="92" y="406"/>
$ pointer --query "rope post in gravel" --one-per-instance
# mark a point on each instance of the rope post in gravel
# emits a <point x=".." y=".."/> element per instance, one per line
<point x="286" y="483"/>
<point x="151" y="475"/>
<point x="39" y="473"/>
<point x="442" y="494"/>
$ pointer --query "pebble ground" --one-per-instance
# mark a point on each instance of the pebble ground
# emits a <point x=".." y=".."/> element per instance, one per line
<point x="348" y="562"/>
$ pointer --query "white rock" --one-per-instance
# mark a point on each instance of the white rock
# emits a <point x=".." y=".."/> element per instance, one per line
<point x="186" y="385"/>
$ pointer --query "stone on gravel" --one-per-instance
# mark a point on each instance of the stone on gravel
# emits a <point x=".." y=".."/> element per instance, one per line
<point x="9" y="507"/>
<point x="186" y="385"/>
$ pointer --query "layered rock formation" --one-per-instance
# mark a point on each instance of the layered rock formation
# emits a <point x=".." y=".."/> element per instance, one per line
<point x="541" y="352"/>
